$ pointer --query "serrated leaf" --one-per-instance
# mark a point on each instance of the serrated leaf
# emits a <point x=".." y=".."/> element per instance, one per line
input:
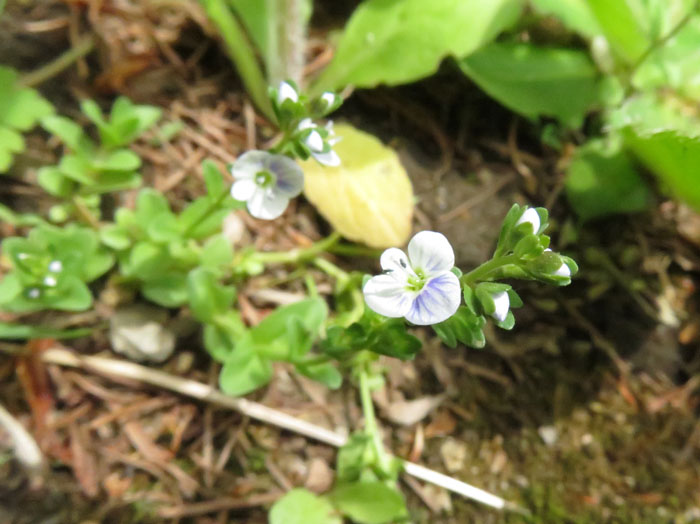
<point x="368" y="198"/>
<point x="395" y="42"/>
<point x="537" y="81"/>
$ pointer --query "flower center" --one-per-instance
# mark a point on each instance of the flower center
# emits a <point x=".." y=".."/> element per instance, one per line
<point x="265" y="179"/>
<point x="416" y="283"/>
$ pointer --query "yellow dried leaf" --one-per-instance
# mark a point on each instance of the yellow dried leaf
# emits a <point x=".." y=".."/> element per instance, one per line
<point x="368" y="198"/>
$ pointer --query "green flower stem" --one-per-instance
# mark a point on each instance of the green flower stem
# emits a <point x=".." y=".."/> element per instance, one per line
<point x="296" y="256"/>
<point x="355" y="250"/>
<point x="371" y="426"/>
<point x="481" y="272"/>
<point x="58" y="65"/>
<point x="330" y="269"/>
<point x="241" y="52"/>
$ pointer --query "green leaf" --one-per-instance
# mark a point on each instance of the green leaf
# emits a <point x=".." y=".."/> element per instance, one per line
<point x="169" y="290"/>
<point x="352" y="457"/>
<point x="299" y="338"/>
<point x="621" y="28"/>
<point x="22" y="108"/>
<point x="312" y="313"/>
<point x="395" y="42"/>
<point x="341" y="342"/>
<point x="207" y="297"/>
<point x="11" y="142"/>
<point x="574" y="14"/>
<point x="391" y="338"/>
<point x="537" y="81"/>
<point x="300" y="506"/>
<point x="164" y="228"/>
<point x="70" y="133"/>
<point x="217" y="254"/>
<point x="464" y="326"/>
<point x="674" y="159"/>
<point x="213" y="179"/>
<point x="52" y="180"/>
<point x="244" y="371"/>
<point x="601" y="181"/>
<point x="325" y="373"/>
<point x="120" y="160"/>
<point x="369" y="502"/>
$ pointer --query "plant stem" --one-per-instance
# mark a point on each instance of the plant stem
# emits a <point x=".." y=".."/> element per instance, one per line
<point x="296" y="256"/>
<point x="241" y="52"/>
<point x="371" y="427"/>
<point x="54" y="67"/>
<point x="484" y="269"/>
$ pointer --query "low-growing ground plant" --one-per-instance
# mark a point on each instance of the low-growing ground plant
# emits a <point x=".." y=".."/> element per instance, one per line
<point x="180" y="258"/>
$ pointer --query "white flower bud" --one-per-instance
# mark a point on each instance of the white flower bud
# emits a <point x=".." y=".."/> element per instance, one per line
<point x="50" y="281"/>
<point x="530" y="216"/>
<point x="55" y="266"/>
<point x="34" y="293"/>
<point x="314" y="141"/>
<point x="286" y="92"/>
<point x="502" y="303"/>
<point x="563" y="271"/>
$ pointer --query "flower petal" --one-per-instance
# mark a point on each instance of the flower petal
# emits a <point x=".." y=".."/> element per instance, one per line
<point x="330" y="158"/>
<point x="307" y="123"/>
<point x="243" y="189"/>
<point x="531" y="217"/>
<point x="290" y="177"/>
<point x="563" y="271"/>
<point x="267" y="205"/>
<point x="387" y="296"/>
<point x="431" y="252"/>
<point x="286" y="91"/>
<point x="314" y="141"/>
<point x="437" y="301"/>
<point x="395" y="260"/>
<point x="249" y="164"/>
<point x="502" y="303"/>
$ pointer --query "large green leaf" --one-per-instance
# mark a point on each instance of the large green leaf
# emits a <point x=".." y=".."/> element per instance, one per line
<point x="574" y="14"/>
<point x="621" y="28"/>
<point x="601" y="181"/>
<point x="398" y="41"/>
<point x="673" y="158"/>
<point x="534" y="81"/>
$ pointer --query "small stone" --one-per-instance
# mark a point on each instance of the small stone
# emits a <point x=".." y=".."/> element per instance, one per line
<point x="548" y="434"/>
<point x="140" y="333"/>
<point x="454" y="454"/>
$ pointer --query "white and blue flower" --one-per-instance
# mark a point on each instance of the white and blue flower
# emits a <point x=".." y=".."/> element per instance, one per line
<point x="421" y="287"/>
<point x="266" y="182"/>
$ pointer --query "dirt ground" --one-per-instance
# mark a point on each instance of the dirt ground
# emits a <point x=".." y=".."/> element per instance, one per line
<point x="585" y="413"/>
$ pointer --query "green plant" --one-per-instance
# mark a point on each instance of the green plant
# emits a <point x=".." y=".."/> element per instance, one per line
<point x="91" y="169"/>
<point x="20" y="109"/>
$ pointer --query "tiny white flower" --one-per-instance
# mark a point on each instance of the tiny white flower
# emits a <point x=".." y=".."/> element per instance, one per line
<point x="50" y="281"/>
<point x="286" y="92"/>
<point x="420" y="287"/>
<point x="502" y="303"/>
<point x="34" y="292"/>
<point x="55" y="266"/>
<point x="531" y="217"/>
<point x="23" y="256"/>
<point x="266" y="182"/>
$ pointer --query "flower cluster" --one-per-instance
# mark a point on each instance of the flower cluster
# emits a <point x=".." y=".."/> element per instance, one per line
<point x="426" y="289"/>
<point x="266" y="181"/>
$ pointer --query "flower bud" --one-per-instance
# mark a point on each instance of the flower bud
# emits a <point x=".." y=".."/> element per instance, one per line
<point x="286" y="92"/>
<point x="530" y="216"/>
<point x="502" y="303"/>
